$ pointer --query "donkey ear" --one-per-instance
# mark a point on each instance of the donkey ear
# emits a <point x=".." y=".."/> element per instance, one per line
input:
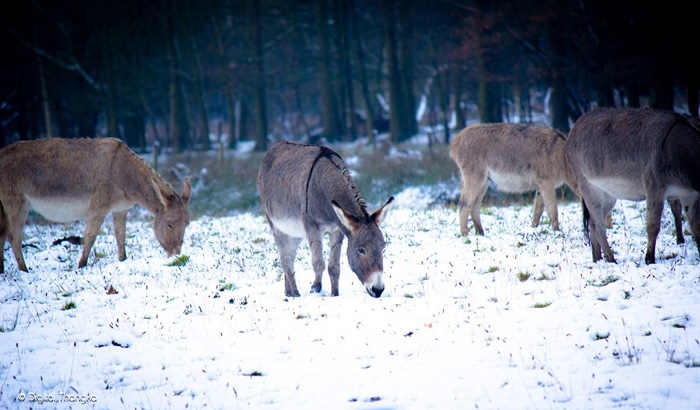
<point x="380" y="214"/>
<point x="186" y="191"/>
<point x="158" y="193"/>
<point x="344" y="218"/>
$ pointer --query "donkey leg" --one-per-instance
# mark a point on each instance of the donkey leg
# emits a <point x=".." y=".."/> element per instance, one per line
<point x="287" y="247"/>
<point x="549" y="196"/>
<point x="92" y="228"/>
<point x="315" y="239"/>
<point x="120" y="232"/>
<point x="606" y="206"/>
<point x="336" y="244"/>
<point x="463" y="207"/>
<point x="471" y="185"/>
<point x="677" y="210"/>
<point x="693" y="214"/>
<point x="537" y="209"/>
<point x="476" y="206"/>
<point x="599" y="204"/>
<point x="3" y="238"/>
<point x="17" y="217"/>
<point x="655" y="207"/>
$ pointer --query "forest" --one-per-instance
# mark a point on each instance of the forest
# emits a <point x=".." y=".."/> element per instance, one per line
<point x="194" y="75"/>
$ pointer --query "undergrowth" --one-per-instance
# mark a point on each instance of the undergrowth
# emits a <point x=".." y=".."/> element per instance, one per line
<point x="228" y="186"/>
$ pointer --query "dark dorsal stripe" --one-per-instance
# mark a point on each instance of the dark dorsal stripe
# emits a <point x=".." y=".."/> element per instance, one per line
<point x="337" y="161"/>
<point x="323" y="152"/>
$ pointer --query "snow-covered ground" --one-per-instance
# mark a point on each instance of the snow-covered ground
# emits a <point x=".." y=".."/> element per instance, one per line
<point x="518" y="318"/>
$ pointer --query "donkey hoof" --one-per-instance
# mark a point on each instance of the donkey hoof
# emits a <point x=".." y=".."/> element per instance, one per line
<point x="292" y="294"/>
<point x="316" y="288"/>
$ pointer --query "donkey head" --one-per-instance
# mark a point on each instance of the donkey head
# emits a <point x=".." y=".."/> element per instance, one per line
<point x="366" y="246"/>
<point x="172" y="219"/>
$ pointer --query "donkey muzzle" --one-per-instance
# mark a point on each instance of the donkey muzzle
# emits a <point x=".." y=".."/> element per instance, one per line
<point x="374" y="284"/>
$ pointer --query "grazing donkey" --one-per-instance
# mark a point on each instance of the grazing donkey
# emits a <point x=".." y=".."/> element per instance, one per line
<point x="70" y="179"/>
<point x="634" y="154"/>
<point x="305" y="191"/>
<point x="515" y="158"/>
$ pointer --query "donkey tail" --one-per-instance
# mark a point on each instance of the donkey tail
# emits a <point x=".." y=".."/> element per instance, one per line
<point x="586" y="220"/>
<point x="3" y="226"/>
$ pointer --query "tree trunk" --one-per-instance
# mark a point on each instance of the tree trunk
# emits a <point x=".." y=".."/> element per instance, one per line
<point x="178" y="114"/>
<point x="364" y="83"/>
<point x="259" y="78"/>
<point x="559" y="103"/>
<point x="693" y="96"/>
<point x="396" y="98"/>
<point x="662" y="92"/>
<point x="330" y="119"/>
<point x="489" y="94"/>
<point x="197" y="85"/>
<point x="348" y="105"/>
<point x="228" y="84"/>
<point x="405" y="32"/>
<point x="460" y="114"/>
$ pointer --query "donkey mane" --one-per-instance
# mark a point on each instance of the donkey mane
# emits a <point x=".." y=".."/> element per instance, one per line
<point x="337" y="161"/>
<point x="154" y="175"/>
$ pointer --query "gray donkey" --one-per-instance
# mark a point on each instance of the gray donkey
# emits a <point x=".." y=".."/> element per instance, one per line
<point x="635" y="154"/>
<point x="515" y="158"/>
<point x="70" y="179"/>
<point x="306" y="191"/>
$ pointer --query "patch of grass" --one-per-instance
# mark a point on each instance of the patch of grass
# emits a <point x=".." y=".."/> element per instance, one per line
<point x="408" y="295"/>
<point x="602" y="336"/>
<point x="523" y="276"/>
<point x="227" y="286"/>
<point x="492" y="269"/>
<point x="69" y="305"/>
<point x="543" y="276"/>
<point x="9" y="325"/>
<point x="540" y="305"/>
<point x="258" y="240"/>
<point x="179" y="261"/>
<point x="604" y="282"/>
<point x="254" y="373"/>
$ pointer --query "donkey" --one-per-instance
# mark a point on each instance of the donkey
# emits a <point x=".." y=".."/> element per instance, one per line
<point x="515" y="158"/>
<point x="634" y="154"/>
<point x="306" y="191"/>
<point x="65" y="180"/>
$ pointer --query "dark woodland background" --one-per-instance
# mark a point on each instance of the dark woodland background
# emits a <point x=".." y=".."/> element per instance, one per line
<point x="177" y="71"/>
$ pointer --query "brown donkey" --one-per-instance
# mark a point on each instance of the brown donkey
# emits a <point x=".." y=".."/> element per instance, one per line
<point x="515" y="158"/>
<point x="306" y="191"/>
<point x="635" y="154"/>
<point x="70" y="179"/>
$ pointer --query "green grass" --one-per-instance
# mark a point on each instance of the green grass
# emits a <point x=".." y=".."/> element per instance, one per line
<point x="227" y="286"/>
<point x="540" y="305"/>
<point x="181" y="260"/>
<point x="604" y="282"/>
<point x="69" y="305"/>
<point x="523" y="276"/>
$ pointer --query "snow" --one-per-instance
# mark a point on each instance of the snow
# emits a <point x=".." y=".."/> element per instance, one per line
<point x="518" y="318"/>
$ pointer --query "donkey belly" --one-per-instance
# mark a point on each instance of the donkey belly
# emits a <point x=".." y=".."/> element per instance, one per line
<point x="289" y="226"/>
<point x="512" y="182"/>
<point x="295" y="227"/>
<point x="620" y="188"/>
<point x="60" y="209"/>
